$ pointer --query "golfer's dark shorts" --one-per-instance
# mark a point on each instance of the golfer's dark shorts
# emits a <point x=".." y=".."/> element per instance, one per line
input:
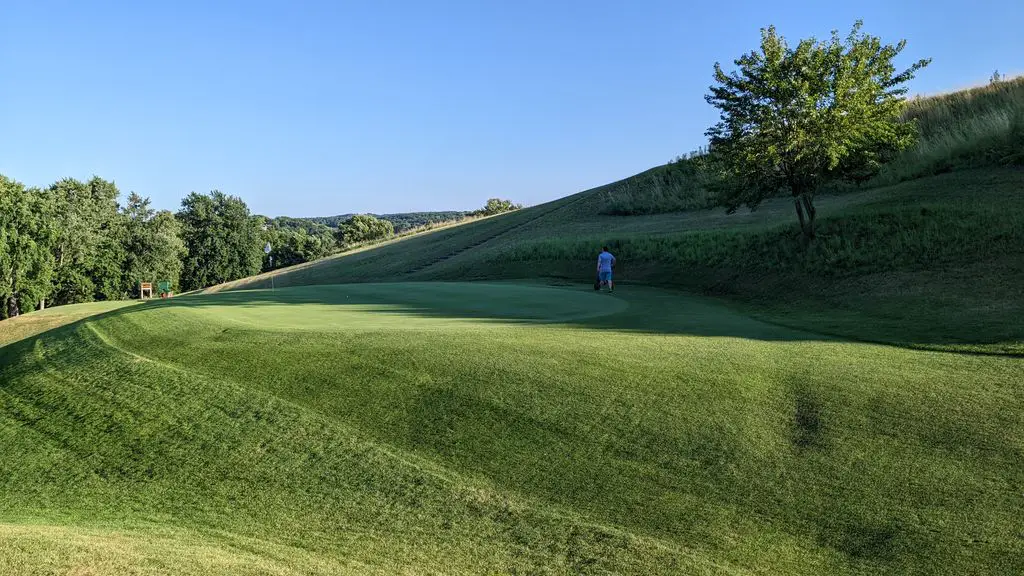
<point x="605" y="276"/>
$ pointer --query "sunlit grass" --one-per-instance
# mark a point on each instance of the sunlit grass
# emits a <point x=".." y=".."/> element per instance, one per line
<point x="467" y="429"/>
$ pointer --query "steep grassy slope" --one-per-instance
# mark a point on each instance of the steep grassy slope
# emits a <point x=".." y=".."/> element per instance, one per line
<point x="496" y="428"/>
<point x="982" y="126"/>
<point x="935" y="262"/>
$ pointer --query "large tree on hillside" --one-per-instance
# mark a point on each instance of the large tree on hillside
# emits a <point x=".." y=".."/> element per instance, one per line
<point x="152" y="242"/>
<point x="27" y="231"/>
<point x="224" y="241"/>
<point x="797" y="118"/>
<point x="89" y="252"/>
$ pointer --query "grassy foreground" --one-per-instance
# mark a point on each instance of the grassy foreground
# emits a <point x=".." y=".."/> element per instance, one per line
<point x="498" y="428"/>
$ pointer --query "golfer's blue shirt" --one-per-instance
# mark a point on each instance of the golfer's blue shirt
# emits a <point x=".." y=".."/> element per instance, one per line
<point x="604" y="262"/>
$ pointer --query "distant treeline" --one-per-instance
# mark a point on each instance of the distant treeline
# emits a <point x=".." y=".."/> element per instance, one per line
<point x="74" y="242"/>
<point x="401" y="222"/>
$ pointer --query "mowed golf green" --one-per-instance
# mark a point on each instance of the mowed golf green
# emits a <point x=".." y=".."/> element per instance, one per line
<point x="425" y="428"/>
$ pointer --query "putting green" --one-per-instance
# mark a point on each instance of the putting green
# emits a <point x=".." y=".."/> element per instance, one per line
<point x="400" y="306"/>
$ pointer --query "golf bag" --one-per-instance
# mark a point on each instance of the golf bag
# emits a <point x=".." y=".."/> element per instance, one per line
<point x="597" y="283"/>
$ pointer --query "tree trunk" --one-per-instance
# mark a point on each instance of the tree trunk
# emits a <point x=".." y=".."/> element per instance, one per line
<point x="12" y="306"/>
<point x="42" y="304"/>
<point x="805" y="212"/>
<point x="800" y="215"/>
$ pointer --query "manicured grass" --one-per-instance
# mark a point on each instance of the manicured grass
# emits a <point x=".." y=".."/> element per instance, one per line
<point x="33" y="323"/>
<point x="498" y="428"/>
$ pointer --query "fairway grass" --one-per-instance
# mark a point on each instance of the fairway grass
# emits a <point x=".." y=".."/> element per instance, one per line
<point x="28" y="325"/>
<point x="501" y="428"/>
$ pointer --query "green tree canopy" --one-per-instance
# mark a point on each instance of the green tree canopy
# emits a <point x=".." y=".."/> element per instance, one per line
<point x="223" y="240"/>
<point x="27" y="231"/>
<point x="292" y="245"/>
<point x="153" y="244"/>
<point x="362" y="228"/>
<point x="88" y="252"/>
<point x="497" y="206"/>
<point x="797" y="118"/>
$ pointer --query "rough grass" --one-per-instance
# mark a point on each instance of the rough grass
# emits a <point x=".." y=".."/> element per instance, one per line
<point x="490" y="428"/>
<point x="982" y="126"/>
<point x="675" y="187"/>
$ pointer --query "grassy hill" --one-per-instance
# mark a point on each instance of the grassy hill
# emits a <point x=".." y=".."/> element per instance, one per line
<point x="743" y="403"/>
<point x="930" y="254"/>
<point x="497" y="428"/>
<point x="934" y="262"/>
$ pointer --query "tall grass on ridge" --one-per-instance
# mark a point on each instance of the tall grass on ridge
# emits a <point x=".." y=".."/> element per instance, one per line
<point x="982" y="126"/>
<point x="679" y="185"/>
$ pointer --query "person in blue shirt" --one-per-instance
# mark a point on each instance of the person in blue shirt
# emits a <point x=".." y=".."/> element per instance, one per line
<point x="605" y="263"/>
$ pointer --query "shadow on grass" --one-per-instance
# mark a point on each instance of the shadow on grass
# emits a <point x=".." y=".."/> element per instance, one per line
<point x="634" y="309"/>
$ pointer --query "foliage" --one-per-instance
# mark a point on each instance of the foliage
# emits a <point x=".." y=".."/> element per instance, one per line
<point x="153" y="245"/>
<point x="292" y="245"/>
<point x="27" y="231"/>
<point x="89" y="254"/>
<point x="496" y="206"/>
<point x="363" y="228"/>
<point x="402" y="222"/>
<point x="223" y="240"/>
<point x="406" y="221"/>
<point x="799" y="118"/>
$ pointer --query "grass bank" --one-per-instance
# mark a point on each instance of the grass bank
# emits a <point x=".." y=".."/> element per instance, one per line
<point x="498" y="428"/>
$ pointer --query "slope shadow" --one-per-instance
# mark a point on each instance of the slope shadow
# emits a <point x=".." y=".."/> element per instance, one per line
<point x="635" y="310"/>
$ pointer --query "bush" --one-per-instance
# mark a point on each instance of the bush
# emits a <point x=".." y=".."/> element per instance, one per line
<point x="363" y="228"/>
<point x="496" y="206"/>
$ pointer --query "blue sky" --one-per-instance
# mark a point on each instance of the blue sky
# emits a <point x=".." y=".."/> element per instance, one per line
<point x="323" y="107"/>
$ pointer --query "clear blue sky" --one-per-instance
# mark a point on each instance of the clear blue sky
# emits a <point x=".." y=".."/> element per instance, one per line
<point x="325" y="107"/>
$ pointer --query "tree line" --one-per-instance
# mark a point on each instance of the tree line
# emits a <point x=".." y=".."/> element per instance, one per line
<point x="402" y="222"/>
<point x="73" y="242"/>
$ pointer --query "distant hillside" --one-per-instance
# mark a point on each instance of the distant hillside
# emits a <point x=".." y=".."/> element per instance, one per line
<point x="402" y="221"/>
